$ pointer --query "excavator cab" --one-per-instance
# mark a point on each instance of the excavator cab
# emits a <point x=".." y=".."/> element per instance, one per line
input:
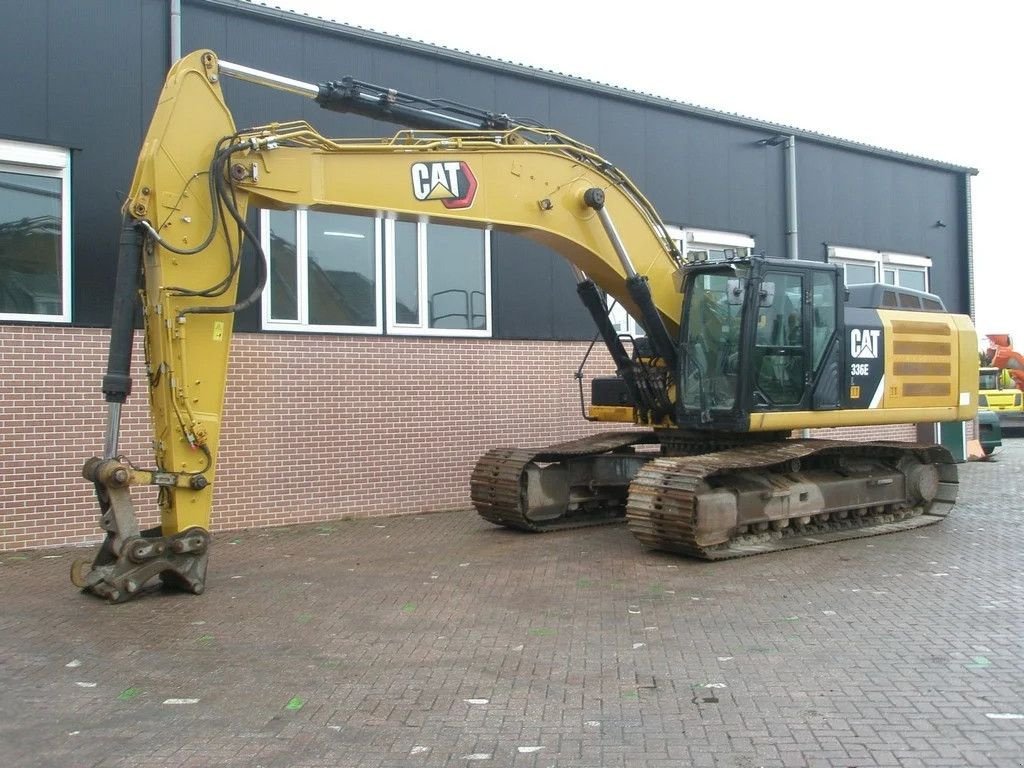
<point x="757" y="335"/>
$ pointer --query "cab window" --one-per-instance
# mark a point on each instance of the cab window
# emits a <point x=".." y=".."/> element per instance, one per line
<point x="711" y="343"/>
<point x="823" y="315"/>
<point x="779" y="366"/>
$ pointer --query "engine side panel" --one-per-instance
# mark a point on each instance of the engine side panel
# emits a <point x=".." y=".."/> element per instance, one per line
<point x="896" y="367"/>
<point x="866" y="345"/>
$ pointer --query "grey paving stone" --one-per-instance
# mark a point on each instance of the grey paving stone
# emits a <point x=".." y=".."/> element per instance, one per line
<point x="439" y="640"/>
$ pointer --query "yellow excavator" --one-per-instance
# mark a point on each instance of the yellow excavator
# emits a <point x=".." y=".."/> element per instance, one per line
<point x="738" y="353"/>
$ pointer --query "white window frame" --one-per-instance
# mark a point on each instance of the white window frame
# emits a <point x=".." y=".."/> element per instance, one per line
<point x="422" y="328"/>
<point x="302" y="324"/>
<point x="691" y="239"/>
<point x="52" y="162"/>
<point x="881" y="262"/>
<point x="384" y="273"/>
<point x="907" y="262"/>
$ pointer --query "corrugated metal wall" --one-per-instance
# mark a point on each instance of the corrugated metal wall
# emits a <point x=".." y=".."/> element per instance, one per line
<point x="85" y="73"/>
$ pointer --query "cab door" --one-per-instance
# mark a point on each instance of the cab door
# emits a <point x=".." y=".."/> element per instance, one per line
<point x="795" y="344"/>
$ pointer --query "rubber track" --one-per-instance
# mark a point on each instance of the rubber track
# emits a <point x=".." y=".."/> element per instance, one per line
<point x="496" y="483"/>
<point x="663" y="497"/>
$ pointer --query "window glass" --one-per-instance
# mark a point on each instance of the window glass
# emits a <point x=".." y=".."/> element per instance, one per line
<point x="711" y="343"/>
<point x="857" y="274"/>
<point x="339" y="272"/>
<point x="781" y="324"/>
<point x="284" y="276"/>
<point x="407" y="274"/>
<point x="779" y="348"/>
<point x="456" y="296"/>
<point x="823" y="311"/>
<point x="341" y="255"/>
<point x="912" y="278"/>
<point x="35" y="251"/>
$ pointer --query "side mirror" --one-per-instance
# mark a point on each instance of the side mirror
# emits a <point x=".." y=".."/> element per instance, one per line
<point x="767" y="294"/>
<point x="734" y="291"/>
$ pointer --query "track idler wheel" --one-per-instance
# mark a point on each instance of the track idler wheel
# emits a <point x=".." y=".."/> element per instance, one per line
<point x="922" y="482"/>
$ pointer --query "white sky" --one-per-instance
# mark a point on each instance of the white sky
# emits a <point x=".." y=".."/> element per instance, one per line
<point x="938" y="79"/>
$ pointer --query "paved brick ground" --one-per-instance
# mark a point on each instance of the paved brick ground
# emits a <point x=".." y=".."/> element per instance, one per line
<point x="441" y="640"/>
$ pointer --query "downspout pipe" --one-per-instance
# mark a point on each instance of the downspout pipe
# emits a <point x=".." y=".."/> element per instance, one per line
<point x="792" y="230"/>
<point x="175" y="30"/>
<point x="788" y="144"/>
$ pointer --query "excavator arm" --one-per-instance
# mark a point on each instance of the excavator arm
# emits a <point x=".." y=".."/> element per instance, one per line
<point x="181" y="251"/>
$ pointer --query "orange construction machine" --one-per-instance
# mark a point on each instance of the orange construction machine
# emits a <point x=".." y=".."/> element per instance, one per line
<point x="1001" y="383"/>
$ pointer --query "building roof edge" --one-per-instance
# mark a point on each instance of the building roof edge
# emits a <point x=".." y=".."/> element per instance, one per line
<point x="573" y="81"/>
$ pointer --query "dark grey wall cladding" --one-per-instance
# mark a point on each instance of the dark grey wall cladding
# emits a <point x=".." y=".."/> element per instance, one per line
<point x="86" y="73"/>
<point x="24" y="41"/>
<point x="713" y="175"/>
<point x="852" y="199"/>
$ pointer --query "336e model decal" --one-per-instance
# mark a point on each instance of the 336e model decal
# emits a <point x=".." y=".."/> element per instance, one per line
<point x="450" y="181"/>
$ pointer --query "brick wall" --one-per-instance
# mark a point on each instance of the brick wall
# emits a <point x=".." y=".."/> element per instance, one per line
<point x="315" y="427"/>
<point x="904" y="432"/>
